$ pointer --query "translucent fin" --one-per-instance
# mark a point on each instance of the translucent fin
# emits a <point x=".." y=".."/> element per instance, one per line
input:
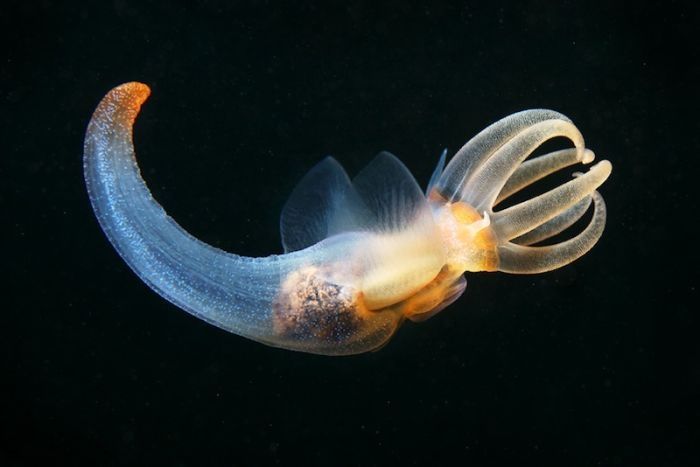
<point x="384" y="197"/>
<point x="324" y="203"/>
<point x="437" y="172"/>
<point x="392" y="195"/>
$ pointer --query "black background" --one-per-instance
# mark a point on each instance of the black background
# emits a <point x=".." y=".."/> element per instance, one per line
<point x="593" y="364"/>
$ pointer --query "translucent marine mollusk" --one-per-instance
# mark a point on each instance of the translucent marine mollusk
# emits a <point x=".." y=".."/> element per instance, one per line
<point x="362" y="254"/>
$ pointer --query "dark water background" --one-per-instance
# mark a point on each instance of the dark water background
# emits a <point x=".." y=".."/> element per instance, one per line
<point x="593" y="364"/>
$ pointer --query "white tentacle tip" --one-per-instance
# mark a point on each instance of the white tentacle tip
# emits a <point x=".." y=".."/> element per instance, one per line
<point x="588" y="156"/>
<point x="604" y="165"/>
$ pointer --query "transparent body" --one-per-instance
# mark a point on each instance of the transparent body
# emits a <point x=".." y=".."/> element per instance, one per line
<point x="361" y="255"/>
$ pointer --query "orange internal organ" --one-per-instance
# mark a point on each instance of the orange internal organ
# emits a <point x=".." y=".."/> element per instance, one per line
<point x="432" y="298"/>
<point x="471" y="242"/>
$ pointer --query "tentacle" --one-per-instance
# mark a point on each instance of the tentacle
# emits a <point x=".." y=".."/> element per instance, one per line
<point x="478" y="149"/>
<point x="536" y="169"/>
<point x="516" y="220"/>
<point x="490" y="178"/>
<point x="530" y="260"/>
<point x="556" y="225"/>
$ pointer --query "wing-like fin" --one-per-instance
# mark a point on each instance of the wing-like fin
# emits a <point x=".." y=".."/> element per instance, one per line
<point x="437" y="172"/>
<point x="392" y="195"/>
<point x="324" y="203"/>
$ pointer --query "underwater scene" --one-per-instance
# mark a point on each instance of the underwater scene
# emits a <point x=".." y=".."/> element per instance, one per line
<point x="357" y="233"/>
